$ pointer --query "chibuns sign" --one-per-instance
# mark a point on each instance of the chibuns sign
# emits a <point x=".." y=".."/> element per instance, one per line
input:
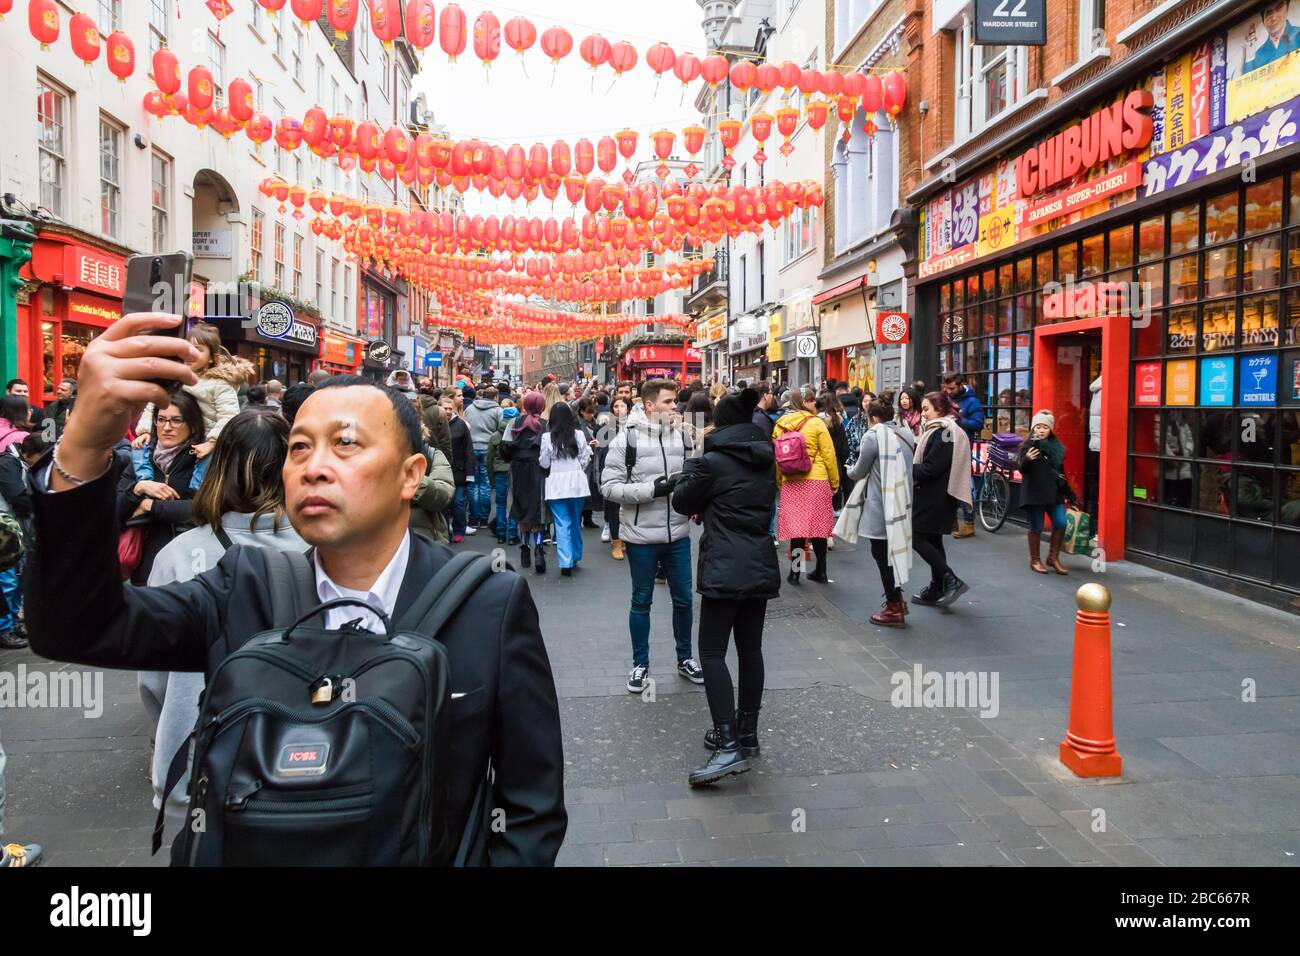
<point x="1118" y="129"/>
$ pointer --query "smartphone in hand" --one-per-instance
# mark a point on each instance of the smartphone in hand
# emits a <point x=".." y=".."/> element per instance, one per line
<point x="159" y="283"/>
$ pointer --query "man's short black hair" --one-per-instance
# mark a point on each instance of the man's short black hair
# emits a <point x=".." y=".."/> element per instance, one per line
<point x="651" y="389"/>
<point x="12" y="382"/>
<point x="292" y="400"/>
<point x="408" y="419"/>
<point x="954" y="378"/>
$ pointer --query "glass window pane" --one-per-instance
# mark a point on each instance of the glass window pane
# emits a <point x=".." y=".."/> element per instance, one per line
<point x="1149" y="335"/>
<point x="1289" y="485"/>
<point x="1121" y="248"/>
<point x="1259" y="327"/>
<point x="1006" y="285"/>
<point x="1293" y="255"/>
<point x="945" y="297"/>
<point x="1046" y="272"/>
<point x="1024" y="274"/>
<point x="1184" y="229"/>
<point x="1181" y="330"/>
<point x="1291" y="316"/>
<point x="989" y="286"/>
<point x="989" y="325"/>
<point x="1257" y="437"/>
<point x="1151" y="238"/>
<point x="1221" y="271"/>
<point x="1217" y="435"/>
<point x="1221" y="214"/>
<point x="1261" y="261"/>
<point x="1253" y="493"/>
<point x="1212" y="488"/>
<point x="1219" y="326"/>
<point x="1025" y="310"/>
<point x="1094" y="255"/>
<point x="1183" y="284"/>
<point x="1263" y="206"/>
<point x="1005" y="310"/>
<point x="1145" y="473"/>
<point x="1067" y="261"/>
<point x="1151" y="284"/>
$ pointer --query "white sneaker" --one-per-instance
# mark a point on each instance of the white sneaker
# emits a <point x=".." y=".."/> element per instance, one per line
<point x="604" y="534"/>
<point x="470" y="529"/>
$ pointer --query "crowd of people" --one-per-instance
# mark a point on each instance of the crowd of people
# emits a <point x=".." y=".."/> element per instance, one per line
<point x="752" y="466"/>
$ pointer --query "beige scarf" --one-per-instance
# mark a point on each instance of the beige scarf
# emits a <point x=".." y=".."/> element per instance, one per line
<point x="960" y="473"/>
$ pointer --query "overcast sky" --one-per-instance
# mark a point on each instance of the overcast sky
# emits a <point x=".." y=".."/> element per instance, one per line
<point x="502" y="106"/>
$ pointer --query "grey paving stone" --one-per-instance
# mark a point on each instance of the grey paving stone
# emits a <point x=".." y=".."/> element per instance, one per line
<point x="715" y="848"/>
<point x="710" y="805"/>
<point x="1003" y="784"/>
<point x="1129" y="855"/>
<point x="971" y="854"/>
<point x="745" y="823"/>
<point x="581" y="854"/>
<point x="783" y="844"/>
<point x="919" y="834"/>
<point x="1034" y="812"/>
<point x="647" y="810"/>
<point x="899" y="856"/>
<point x="668" y="829"/>
<point x="619" y="832"/>
<point x="861" y="838"/>
<point x="1041" y="856"/>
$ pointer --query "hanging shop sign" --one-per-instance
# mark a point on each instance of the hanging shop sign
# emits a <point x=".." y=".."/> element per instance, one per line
<point x="891" y="328"/>
<point x="805" y="346"/>
<point x="1146" y="383"/>
<point x="1120" y="128"/>
<point x="274" y="319"/>
<point x="1086" y="194"/>
<point x="1010" y="22"/>
<point x="1258" y="380"/>
<point x="379" y="352"/>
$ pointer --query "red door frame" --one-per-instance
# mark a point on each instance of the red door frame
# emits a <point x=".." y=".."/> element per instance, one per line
<point x="1112" y="492"/>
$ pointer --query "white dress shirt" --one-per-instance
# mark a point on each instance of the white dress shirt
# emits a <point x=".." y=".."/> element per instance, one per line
<point x="382" y="594"/>
<point x="568" y="477"/>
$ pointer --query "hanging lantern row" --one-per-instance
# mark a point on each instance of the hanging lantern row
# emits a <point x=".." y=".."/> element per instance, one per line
<point x="83" y="34"/>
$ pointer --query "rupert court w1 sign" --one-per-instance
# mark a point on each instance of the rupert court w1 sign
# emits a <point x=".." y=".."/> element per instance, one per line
<point x="1011" y="22"/>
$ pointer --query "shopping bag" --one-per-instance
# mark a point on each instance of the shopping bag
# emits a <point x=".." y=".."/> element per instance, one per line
<point x="846" y="525"/>
<point x="1078" y="531"/>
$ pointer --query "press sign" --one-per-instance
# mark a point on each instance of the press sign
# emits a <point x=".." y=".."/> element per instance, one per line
<point x="1012" y="22"/>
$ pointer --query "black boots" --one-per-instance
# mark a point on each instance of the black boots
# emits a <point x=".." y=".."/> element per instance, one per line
<point x="953" y="588"/>
<point x="746" y="733"/>
<point x="793" y="576"/>
<point x="525" y="556"/>
<point x="726" y="760"/>
<point x="539" y="559"/>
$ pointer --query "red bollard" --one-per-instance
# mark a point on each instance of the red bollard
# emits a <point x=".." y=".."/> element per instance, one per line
<point x="1089" y="745"/>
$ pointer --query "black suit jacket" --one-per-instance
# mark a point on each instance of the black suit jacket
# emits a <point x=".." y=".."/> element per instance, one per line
<point x="79" y="611"/>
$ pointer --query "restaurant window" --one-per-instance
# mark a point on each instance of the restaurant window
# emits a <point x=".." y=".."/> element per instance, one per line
<point x="51" y="131"/>
<point x="1092" y="27"/>
<point x="256" y="244"/>
<point x="161" y="197"/>
<point x="278" y="250"/>
<point x="110" y="179"/>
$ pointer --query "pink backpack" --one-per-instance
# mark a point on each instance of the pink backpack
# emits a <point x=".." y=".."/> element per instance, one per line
<point x="792" y="451"/>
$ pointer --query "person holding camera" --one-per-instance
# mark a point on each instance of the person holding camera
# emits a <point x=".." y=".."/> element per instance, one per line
<point x="1043" y="491"/>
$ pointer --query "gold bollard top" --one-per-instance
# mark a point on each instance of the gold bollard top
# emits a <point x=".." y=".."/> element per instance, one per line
<point x="1094" y="598"/>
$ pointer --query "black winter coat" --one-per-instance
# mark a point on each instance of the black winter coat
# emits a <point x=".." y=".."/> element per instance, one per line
<point x="503" y="707"/>
<point x="1038" y="478"/>
<point x="733" y="486"/>
<point x="523" y="449"/>
<point x="462" y="450"/>
<point x="167" y="519"/>
<point x="932" y="507"/>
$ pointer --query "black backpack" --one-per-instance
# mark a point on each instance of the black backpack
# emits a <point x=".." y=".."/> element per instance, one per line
<point x="319" y="747"/>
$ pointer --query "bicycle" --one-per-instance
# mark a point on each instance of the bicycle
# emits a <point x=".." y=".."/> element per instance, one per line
<point x="998" y="469"/>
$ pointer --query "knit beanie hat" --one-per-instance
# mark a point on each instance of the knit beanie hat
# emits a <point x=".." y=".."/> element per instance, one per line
<point x="1044" y="417"/>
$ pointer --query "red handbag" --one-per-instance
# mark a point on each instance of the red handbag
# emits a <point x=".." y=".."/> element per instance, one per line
<point x="130" y="550"/>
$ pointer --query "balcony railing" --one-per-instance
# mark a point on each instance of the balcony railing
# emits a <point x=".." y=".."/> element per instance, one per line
<point x="719" y="273"/>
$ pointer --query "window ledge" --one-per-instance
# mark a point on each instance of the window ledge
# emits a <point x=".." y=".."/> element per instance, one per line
<point x="257" y="33"/>
<point x="276" y="58"/>
<point x="1140" y="24"/>
<point x="1101" y="53"/>
<point x="799" y="258"/>
<point x="1031" y="97"/>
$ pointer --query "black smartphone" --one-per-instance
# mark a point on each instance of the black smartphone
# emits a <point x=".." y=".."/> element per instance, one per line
<point x="160" y="283"/>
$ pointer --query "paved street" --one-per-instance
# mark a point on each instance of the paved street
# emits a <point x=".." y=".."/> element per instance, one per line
<point x="845" y="778"/>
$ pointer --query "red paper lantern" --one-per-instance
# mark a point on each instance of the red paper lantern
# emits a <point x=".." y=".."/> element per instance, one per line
<point x="84" y="35"/>
<point x="810" y="82"/>
<point x="539" y="161"/>
<point x="817" y="112"/>
<point x="155" y="104"/>
<point x="622" y="57"/>
<point x="845" y="107"/>
<point x="607" y="154"/>
<point x="224" y="123"/>
<point x="288" y="132"/>
<point x="729" y="133"/>
<point x="743" y="75"/>
<point x="343" y="17"/>
<point x="766" y="78"/>
<point x="451" y="29"/>
<point x="872" y="94"/>
<point x="693" y="138"/>
<point x="5" y="7"/>
<point x="660" y="58"/>
<point x="462" y="158"/>
<point x="367" y="140"/>
<point x="275" y="6"/>
<point x="166" y="71"/>
<point x="487" y="37"/>
<point x="789" y="74"/>
<point x="520" y="34"/>
<point x="43" y="21"/>
<point x="626" y="140"/>
<point x="595" y="50"/>
<point x="259" y="129"/>
<point x="386" y="20"/>
<point x="420" y="23"/>
<point x="561" y="158"/>
<point x="714" y="69"/>
<point x="832" y="83"/>
<point x="197" y="117"/>
<point x="687" y="68"/>
<point x="584" y="156"/>
<point x="854" y="85"/>
<point x="557" y="43"/>
<point x="241" y="102"/>
<point x="663" y="141"/>
<point x="121" y="55"/>
<point x="308" y="11"/>
<point x="760" y="125"/>
<point x="340" y="133"/>
<point x="200" y="88"/>
<point x="894" y="95"/>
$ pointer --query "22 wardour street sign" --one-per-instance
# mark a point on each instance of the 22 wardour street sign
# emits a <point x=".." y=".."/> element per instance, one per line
<point x="1011" y="22"/>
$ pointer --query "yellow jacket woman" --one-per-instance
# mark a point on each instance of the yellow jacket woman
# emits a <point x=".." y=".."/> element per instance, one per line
<point x="805" y="514"/>
<point x="821" y="450"/>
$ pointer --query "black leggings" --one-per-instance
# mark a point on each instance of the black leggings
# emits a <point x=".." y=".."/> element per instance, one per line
<point x="718" y="616"/>
<point x="819" y="549"/>
<point x="611" y="519"/>
<point x="930" y="548"/>
<point x="880" y="551"/>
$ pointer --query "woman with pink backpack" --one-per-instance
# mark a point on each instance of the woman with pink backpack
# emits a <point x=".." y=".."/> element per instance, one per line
<point x="808" y="475"/>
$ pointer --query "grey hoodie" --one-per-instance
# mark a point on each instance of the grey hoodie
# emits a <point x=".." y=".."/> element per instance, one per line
<point x="482" y="417"/>
<point x="643" y="518"/>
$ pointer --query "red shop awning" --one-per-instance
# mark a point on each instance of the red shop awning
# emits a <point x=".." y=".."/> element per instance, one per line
<point x="840" y="290"/>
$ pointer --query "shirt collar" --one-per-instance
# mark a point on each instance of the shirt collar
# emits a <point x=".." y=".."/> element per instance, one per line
<point x="382" y="593"/>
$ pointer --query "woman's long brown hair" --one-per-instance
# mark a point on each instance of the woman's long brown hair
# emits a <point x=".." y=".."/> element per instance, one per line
<point x="245" y="476"/>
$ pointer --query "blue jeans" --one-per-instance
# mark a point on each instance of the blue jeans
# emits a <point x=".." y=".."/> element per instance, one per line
<point x="455" y="512"/>
<point x="1035" y="515"/>
<point x="507" y="527"/>
<point x="11" y="583"/>
<point x="567" y="513"/>
<point x="643" y="561"/>
<point x="480" y="490"/>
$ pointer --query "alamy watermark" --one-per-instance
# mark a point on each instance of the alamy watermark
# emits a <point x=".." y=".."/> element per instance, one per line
<point x="36" y="689"/>
<point x="964" y="689"/>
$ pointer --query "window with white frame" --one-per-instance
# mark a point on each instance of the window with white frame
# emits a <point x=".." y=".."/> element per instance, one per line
<point x="108" y="16"/>
<point x="161" y="197"/>
<point x="785" y="8"/>
<point x="257" y="244"/>
<point x="760" y="261"/>
<point x="363" y="32"/>
<point x="989" y="80"/>
<point x="334" y="97"/>
<point x="1092" y="26"/>
<point x="334" y="289"/>
<point x="866" y="183"/>
<point x="299" y="42"/>
<point x="259" y="19"/>
<point x="742" y="276"/>
<point x="850" y="15"/>
<point x="349" y="320"/>
<point x="157" y="25"/>
<point x="52" y="145"/>
<point x="320" y="82"/>
<point x="277" y="27"/>
<point x="278" y="252"/>
<point x="217" y="65"/>
<point x="320" y="280"/>
<point x="110" y="178"/>
<point x="386" y="74"/>
<point x="800" y="233"/>
<point x="297" y="265"/>
<point x="258" y="92"/>
<point x="279" y="153"/>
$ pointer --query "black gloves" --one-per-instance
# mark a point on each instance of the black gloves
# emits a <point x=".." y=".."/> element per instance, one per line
<point x="664" y="486"/>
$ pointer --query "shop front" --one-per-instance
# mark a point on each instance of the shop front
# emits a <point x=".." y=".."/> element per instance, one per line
<point x="799" y="342"/>
<point x="680" y="363"/>
<point x="281" y="344"/>
<point x="712" y="344"/>
<point x="340" y="354"/>
<point x="1138" y="273"/>
<point x="73" y="292"/>
<point x="747" y="345"/>
<point x="864" y="334"/>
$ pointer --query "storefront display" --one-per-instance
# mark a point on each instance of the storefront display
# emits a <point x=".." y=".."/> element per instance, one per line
<point x="340" y="354"/>
<point x="1177" y="288"/>
<point x="287" y="356"/>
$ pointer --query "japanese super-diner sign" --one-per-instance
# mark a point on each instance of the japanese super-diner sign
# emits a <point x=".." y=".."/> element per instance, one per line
<point x="1229" y="99"/>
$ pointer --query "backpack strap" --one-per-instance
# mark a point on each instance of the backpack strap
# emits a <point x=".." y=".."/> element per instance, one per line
<point x="445" y="594"/>
<point x="223" y="537"/>
<point x="175" y="771"/>
<point x="293" y="586"/>
<point x="629" y="451"/>
<point x="799" y="427"/>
